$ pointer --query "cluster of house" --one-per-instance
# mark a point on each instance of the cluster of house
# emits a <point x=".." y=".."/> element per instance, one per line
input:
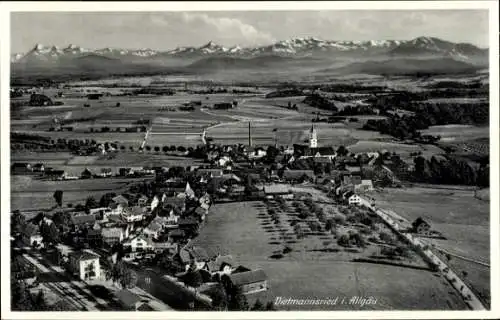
<point x="22" y="168"/>
<point x="214" y="267"/>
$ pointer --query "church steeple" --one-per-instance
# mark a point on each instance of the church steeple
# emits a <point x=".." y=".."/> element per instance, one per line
<point x="313" y="139"/>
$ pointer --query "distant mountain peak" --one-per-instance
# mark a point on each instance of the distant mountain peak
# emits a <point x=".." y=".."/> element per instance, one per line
<point x="300" y="46"/>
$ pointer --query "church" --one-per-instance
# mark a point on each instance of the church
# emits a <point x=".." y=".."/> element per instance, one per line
<point x="312" y="149"/>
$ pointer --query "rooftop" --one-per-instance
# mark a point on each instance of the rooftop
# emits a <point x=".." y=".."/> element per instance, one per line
<point x="247" y="277"/>
<point x="127" y="297"/>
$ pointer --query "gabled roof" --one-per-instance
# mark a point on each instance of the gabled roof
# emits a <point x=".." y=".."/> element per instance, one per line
<point x="84" y="255"/>
<point x="135" y="210"/>
<point x="175" y="201"/>
<point x="177" y="233"/>
<point x="247" y="277"/>
<point x="83" y="219"/>
<point x="277" y="188"/>
<point x="111" y="232"/>
<point x="127" y="297"/>
<point x="296" y="174"/>
<point x="188" y="221"/>
<point x="153" y="226"/>
<point x="120" y="200"/>
<point x="219" y="262"/>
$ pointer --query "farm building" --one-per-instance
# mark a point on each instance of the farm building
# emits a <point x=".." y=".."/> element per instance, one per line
<point x="38" y="100"/>
<point x="223" y="106"/>
<point x="39" y="167"/>
<point x="55" y="174"/>
<point x="221" y="265"/>
<point x="130" y="301"/>
<point x="86" y="174"/>
<point x="248" y="281"/>
<point x="19" y="168"/>
<point x="123" y="172"/>
<point x="278" y="190"/>
<point x="94" y="96"/>
<point x="176" y="235"/>
<point x="364" y="186"/>
<point x="106" y="172"/>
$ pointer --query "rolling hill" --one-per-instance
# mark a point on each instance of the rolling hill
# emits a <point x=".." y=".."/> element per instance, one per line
<point x="407" y="67"/>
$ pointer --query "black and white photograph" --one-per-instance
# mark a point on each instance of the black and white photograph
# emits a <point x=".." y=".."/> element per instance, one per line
<point x="222" y="158"/>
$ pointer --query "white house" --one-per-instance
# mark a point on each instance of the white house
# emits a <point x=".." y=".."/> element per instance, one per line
<point x="133" y="214"/>
<point x="85" y="264"/>
<point x="139" y="244"/>
<point x="354" y="199"/>
<point x="111" y="236"/>
<point x="168" y="222"/>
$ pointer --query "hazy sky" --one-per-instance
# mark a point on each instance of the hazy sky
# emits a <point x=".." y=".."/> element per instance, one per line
<point x="167" y="30"/>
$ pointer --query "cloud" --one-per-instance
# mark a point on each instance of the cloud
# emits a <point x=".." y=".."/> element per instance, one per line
<point x="225" y="29"/>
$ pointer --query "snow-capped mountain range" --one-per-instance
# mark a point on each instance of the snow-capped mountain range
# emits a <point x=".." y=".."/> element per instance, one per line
<point x="310" y="46"/>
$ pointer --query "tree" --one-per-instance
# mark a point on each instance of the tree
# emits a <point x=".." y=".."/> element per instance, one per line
<point x="20" y="296"/>
<point x="131" y="148"/>
<point x="58" y="196"/>
<point x="49" y="233"/>
<point x="62" y="219"/>
<point x="330" y="224"/>
<point x="219" y="299"/>
<point x="148" y="148"/>
<point x="106" y="199"/>
<point x="157" y="149"/>
<point x="17" y="222"/>
<point x="238" y="301"/>
<point x="193" y="278"/>
<point x="91" y="203"/>
<point x="165" y="149"/>
<point x="270" y="306"/>
<point x="129" y="279"/>
<point x="258" y="306"/>
<point x="116" y="273"/>
<point x="181" y="149"/>
<point x="342" y="151"/>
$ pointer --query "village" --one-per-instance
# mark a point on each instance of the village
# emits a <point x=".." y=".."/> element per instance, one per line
<point x="108" y="243"/>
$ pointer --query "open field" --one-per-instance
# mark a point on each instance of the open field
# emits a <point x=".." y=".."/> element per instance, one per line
<point x="289" y="131"/>
<point x="76" y="164"/>
<point x="27" y="193"/>
<point x="461" y="218"/>
<point x="452" y="133"/>
<point x="234" y="228"/>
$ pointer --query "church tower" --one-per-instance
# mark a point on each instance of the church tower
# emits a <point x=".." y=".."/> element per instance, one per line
<point x="313" y="138"/>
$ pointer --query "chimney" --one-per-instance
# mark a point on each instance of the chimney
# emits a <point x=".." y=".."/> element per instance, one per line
<point x="249" y="135"/>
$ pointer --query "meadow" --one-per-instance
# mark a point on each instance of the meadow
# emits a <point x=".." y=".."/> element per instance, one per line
<point x="234" y="228"/>
<point x="458" y="215"/>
